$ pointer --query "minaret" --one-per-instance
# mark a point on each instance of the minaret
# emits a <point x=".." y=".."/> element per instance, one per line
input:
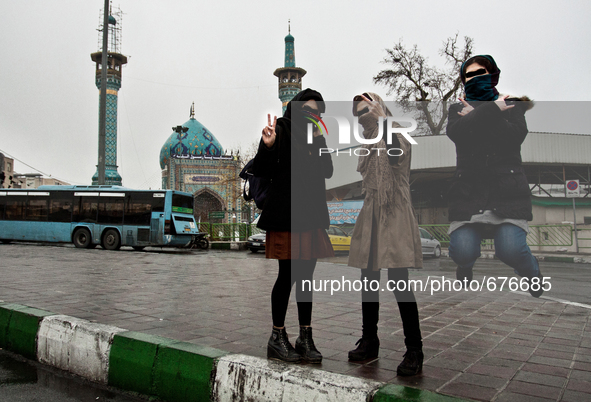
<point x="115" y="63"/>
<point x="290" y="76"/>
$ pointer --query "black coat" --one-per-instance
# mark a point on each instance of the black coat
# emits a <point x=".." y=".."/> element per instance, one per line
<point x="489" y="174"/>
<point x="297" y="197"/>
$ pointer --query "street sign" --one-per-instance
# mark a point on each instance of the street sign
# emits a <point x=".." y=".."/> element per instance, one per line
<point x="217" y="215"/>
<point x="573" y="189"/>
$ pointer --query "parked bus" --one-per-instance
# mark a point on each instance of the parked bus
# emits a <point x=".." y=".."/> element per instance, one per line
<point x="112" y="216"/>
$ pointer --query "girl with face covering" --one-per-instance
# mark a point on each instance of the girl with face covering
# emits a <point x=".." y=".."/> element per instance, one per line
<point x="386" y="234"/>
<point x="489" y="196"/>
<point x="295" y="217"/>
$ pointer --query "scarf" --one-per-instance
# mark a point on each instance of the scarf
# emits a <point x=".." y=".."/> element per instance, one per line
<point x="383" y="173"/>
<point x="297" y="119"/>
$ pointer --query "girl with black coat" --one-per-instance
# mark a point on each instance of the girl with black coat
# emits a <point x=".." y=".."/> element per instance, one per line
<point x="295" y="217"/>
<point x="490" y="196"/>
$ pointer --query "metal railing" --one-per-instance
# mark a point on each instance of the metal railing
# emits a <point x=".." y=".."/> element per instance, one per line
<point x="584" y="240"/>
<point x="539" y="235"/>
<point x="229" y="231"/>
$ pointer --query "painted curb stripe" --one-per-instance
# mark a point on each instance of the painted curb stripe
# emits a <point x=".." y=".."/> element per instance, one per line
<point x="20" y="325"/>
<point x="248" y="378"/>
<point x="76" y="345"/>
<point x="179" y="371"/>
<point x="132" y="359"/>
<point x="182" y="371"/>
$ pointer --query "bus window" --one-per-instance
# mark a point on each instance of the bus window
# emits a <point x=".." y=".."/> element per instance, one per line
<point x="157" y="200"/>
<point x="37" y="209"/>
<point x="2" y="206"/>
<point x="60" y="207"/>
<point x="182" y="203"/>
<point x="85" y="209"/>
<point x="110" y="211"/>
<point x="15" y="207"/>
<point x="138" y="208"/>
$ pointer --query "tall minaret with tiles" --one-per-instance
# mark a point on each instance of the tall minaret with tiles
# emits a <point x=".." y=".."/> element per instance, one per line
<point x="115" y="62"/>
<point x="290" y="76"/>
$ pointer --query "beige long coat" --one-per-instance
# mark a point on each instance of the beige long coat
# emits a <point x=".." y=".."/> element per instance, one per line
<point x="391" y="238"/>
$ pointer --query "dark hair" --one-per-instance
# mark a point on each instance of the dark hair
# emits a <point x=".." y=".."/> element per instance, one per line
<point x="483" y="61"/>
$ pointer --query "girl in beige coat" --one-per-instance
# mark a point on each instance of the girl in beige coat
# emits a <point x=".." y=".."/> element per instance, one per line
<point x="386" y="234"/>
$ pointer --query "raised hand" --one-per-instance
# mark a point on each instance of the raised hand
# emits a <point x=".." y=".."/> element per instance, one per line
<point x="269" y="134"/>
<point x="467" y="107"/>
<point x="501" y="103"/>
<point x="375" y="109"/>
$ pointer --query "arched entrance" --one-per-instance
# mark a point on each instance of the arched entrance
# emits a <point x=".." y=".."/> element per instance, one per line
<point x="207" y="201"/>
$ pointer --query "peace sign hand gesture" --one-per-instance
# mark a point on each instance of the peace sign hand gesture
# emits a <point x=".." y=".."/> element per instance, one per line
<point x="269" y="134"/>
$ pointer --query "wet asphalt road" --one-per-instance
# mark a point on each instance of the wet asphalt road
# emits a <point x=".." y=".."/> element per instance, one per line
<point x="64" y="279"/>
<point x="27" y="381"/>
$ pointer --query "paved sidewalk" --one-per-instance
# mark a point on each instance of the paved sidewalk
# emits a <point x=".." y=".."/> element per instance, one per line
<point x="499" y="346"/>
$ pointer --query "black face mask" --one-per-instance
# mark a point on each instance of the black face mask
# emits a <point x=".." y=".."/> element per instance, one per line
<point x="362" y="112"/>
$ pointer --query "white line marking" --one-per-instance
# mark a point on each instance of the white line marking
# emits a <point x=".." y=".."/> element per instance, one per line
<point x="570" y="303"/>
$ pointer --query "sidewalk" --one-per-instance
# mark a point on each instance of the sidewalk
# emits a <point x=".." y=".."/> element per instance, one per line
<point x="490" y="346"/>
<point x="580" y="258"/>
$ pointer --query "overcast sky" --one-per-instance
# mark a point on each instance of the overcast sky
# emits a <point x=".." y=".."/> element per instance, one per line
<point x="221" y="55"/>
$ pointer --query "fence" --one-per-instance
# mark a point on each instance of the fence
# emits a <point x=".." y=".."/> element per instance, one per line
<point x="586" y="239"/>
<point x="539" y="235"/>
<point x="229" y="231"/>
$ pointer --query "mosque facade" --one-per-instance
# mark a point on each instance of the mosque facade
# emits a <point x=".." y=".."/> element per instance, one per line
<point x="193" y="160"/>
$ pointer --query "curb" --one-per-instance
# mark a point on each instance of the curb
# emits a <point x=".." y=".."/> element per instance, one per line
<point x="179" y="371"/>
<point x="540" y="257"/>
<point x="228" y="245"/>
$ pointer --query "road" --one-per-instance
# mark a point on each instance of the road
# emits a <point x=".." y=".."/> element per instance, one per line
<point x="222" y="299"/>
<point x="26" y="381"/>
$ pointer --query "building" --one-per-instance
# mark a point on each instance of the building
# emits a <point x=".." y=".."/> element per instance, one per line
<point x="194" y="161"/>
<point x="549" y="160"/>
<point x="289" y="76"/>
<point x="34" y="180"/>
<point x="7" y="172"/>
<point x="115" y="62"/>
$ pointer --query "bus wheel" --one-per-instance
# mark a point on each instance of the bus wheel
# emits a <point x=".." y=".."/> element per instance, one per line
<point x="111" y="240"/>
<point x="138" y="248"/>
<point x="82" y="238"/>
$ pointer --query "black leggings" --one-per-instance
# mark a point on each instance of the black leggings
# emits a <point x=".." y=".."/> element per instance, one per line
<point x="407" y="305"/>
<point x="302" y="270"/>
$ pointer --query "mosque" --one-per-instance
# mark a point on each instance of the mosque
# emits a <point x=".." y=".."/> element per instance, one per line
<point x="193" y="160"/>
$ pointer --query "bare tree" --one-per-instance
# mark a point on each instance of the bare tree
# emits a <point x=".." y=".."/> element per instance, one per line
<point x="416" y="84"/>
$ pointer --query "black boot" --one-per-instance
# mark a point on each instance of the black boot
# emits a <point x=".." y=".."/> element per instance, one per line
<point x="279" y="347"/>
<point x="462" y="274"/>
<point x="539" y="286"/>
<point x="368" y="348"/>
<point x="412" y="363"/>
<point x="305" y="346"/>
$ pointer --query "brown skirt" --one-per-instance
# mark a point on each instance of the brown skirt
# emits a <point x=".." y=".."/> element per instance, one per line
<point x="308" y="245"/>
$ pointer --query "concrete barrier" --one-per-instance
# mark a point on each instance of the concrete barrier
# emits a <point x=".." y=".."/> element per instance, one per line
<point x="248" y="378"/>
<point x="75" y="345"/>
<point x="19" y="326"/>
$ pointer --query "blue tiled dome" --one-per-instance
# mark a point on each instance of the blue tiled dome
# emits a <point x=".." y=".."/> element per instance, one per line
<point x="197" y="141"/>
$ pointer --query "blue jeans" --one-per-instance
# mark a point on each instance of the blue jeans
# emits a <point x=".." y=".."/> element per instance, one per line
<point x="510" y="247"/>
